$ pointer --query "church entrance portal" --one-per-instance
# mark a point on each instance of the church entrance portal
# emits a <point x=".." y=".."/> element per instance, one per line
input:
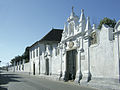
<point x="47" y="66"/>
<point x="71" y="65"/>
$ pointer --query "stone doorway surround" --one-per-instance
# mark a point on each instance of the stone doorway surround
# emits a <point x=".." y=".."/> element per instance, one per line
<point x="71" y="65"/>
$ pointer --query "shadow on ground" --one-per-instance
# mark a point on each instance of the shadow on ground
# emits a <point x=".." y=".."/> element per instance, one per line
<point x="6" y="78"/>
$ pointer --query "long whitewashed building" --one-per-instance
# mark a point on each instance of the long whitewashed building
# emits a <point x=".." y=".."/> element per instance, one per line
<point x="43" y="54"/>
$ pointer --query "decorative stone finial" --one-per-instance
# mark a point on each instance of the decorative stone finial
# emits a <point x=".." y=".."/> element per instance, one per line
<point x="88" y="18"/>
<point x="52" y="27"/>
<point x="72" y="9"/>
<point x="82" y="21"/>
<point x="72" y="14"/>
<point x="82" y="10"/>
<point x="65" y="27"/>
<point x="94" y="26"/>
<point x="88" y="26"/>
<point x="82" y="17"/>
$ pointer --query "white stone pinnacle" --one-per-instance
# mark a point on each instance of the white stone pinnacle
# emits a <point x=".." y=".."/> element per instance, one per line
<point x="88" y="26"/>
<point x="94" y="26"/>
<point x="82" y="17"/>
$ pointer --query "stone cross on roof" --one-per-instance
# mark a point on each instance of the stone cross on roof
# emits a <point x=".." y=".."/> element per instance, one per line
<point x="72" y="9"/>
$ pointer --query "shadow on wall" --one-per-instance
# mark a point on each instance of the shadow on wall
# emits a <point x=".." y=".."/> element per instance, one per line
<point x="5" y="79"/>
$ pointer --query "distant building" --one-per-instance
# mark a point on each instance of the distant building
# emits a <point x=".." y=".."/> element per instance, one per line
<point x="43" y="54"/>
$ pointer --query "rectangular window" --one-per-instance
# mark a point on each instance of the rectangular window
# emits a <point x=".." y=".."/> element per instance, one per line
<point x="33" y="54"/>
<point x="36" y="52"/>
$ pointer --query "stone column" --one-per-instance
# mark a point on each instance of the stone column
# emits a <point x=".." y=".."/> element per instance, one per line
<point x="64" y="67"/>
<point x="79" y="73"/>
<point x="63" y="60"/>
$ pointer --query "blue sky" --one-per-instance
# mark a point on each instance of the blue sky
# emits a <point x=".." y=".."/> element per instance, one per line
<point x="23" y="22"/>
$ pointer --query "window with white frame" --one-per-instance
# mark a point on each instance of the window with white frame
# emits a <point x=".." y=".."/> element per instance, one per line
<point x="34" y="54"/>
<point x="37" y="52"/>
<point x="31" y="54"/>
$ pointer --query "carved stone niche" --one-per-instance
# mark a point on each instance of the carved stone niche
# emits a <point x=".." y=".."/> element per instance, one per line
<point x="93" y="38"/>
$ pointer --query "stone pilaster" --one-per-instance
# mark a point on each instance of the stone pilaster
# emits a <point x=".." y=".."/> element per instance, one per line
<point x="61" y="72"/>
<point x="79" y="73"/>
<point x="63" y="67"/>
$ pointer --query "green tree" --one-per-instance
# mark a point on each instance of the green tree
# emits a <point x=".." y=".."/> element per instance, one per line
<point x="20" y="58"/>
<point x="26" y="55"/>
<point x="111" y="23"/>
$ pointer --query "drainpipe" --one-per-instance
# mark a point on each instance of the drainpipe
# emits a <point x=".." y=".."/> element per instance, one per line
<point x="30" y="61"/>
<point x="61" y="64"/>
<point x="39" y="60"/>
<point x="118" y="56"/>
<point x="89" y="74"/>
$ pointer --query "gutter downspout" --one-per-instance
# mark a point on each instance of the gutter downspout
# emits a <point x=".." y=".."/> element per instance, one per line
<point x="118" y="56"/>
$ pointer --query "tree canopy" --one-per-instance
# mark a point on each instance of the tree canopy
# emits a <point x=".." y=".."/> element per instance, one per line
<point x="25" y="56"/>
<point x="111" y="23"/>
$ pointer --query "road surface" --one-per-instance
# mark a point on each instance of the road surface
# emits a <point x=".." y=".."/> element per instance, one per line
<point x="12" y="81"/>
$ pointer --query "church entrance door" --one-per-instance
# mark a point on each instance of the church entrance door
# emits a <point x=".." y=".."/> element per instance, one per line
<point x="71" y="64"/>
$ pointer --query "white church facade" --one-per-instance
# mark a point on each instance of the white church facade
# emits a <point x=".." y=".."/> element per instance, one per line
<point x="88" y="52"/>
<point x="80" y="52"/>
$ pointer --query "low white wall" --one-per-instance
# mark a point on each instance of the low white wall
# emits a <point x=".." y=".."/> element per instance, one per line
<point x="27" y="67"/>
<point x="21" y="68"/>
<point x="102" y="57"/>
